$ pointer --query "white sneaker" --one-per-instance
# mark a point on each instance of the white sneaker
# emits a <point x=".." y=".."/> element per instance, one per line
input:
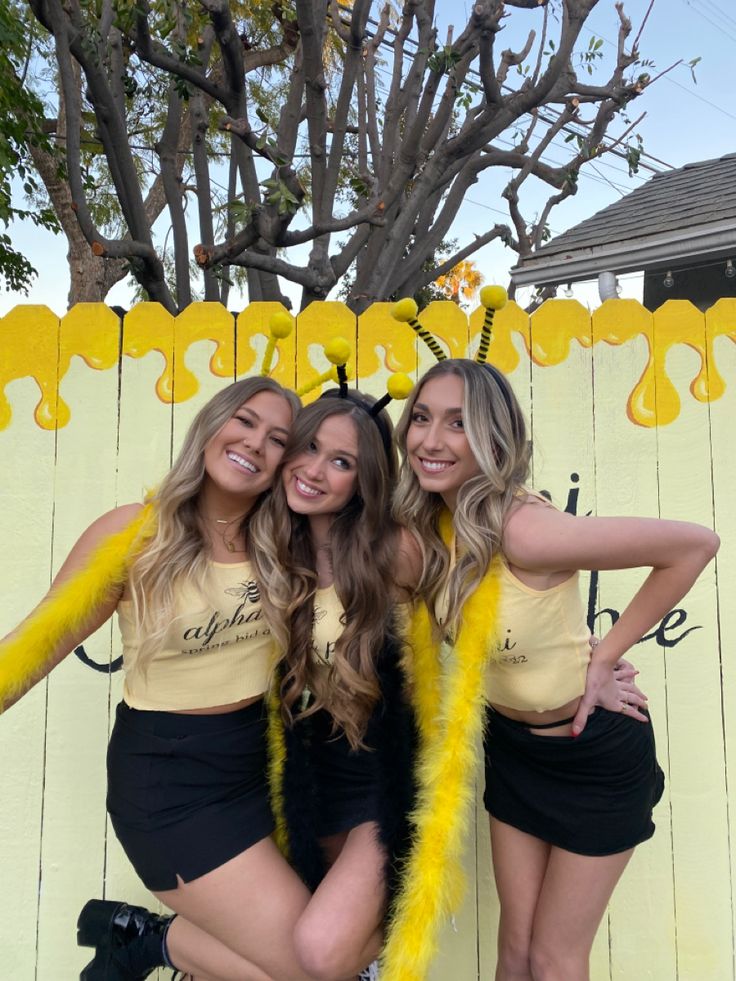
<point x="369" y="973"/>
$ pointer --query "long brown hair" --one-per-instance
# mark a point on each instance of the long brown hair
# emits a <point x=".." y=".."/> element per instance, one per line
<point x="362" y="543"/>
<point x="179" y="550"/>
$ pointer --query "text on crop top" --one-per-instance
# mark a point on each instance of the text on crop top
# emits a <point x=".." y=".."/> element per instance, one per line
<point x="541" y="652"/>
<point x="328" y="623"/>
<point x="217" y="650"/>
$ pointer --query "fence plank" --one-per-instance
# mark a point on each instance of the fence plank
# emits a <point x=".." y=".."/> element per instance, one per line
<point x="692" y="676"/>
<point x="78" y="697"/>
<point x="26" y="521"/>
<point x="721" y="333"/>
<point x="641" y="913"/>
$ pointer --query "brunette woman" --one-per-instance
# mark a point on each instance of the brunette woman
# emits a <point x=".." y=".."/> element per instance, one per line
<point x="336" y="567"/>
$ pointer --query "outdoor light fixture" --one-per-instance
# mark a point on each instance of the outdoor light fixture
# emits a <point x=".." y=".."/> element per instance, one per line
<point x="729" y="272"/>
<point x="568" y="288"/>
<point x="669" y="280"/>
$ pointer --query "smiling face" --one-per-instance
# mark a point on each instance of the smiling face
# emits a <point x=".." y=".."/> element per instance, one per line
<point x="437" y="446"/>
<point x="323" y="477"/>
<point x="241" y="458"/>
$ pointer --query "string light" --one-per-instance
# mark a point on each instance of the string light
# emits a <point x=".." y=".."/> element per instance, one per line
<point x="729" y="271"/>
<point x="669" y="280"/>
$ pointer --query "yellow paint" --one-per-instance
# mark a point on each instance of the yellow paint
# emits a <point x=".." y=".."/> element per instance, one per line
<point x="29" y="340"/>
<point x="149" y="327"/>
<point x="314" y="327"/>
<point x="252" y="331"/>
<point x="555" y="325"/>
<point x="91" y="331"/>
<point x="378" y="330"/>
<point x="502" y="352"/>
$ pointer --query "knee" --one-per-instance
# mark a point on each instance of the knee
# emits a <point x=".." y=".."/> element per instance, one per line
<point x="513" y="955"/>
<point x="552" y="963"/>
<point x="320" y="953"/>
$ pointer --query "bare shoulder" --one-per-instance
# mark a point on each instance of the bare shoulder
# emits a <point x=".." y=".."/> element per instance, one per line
<point x="530" y="511"/>
<point x="101" y="528"/>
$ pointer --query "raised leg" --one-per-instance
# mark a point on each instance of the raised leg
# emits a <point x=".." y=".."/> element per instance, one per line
<point x="248" y="908"/>
<point x="340" y="931"/>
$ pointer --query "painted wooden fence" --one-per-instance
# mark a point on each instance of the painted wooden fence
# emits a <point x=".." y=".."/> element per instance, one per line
<point x="630" y="412"/>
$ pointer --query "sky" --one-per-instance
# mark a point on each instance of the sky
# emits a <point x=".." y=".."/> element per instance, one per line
<point x="686" y="120"/>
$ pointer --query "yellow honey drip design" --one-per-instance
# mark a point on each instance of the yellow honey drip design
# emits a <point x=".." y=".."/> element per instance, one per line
<point x="35" y="343"/>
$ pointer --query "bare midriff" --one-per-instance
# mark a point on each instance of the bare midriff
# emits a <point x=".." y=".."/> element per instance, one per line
<point x="219" y="709"/>
<point x="564" y="712"/>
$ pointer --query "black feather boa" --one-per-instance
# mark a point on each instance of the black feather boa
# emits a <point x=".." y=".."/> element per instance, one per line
<point x="392" y="734"/>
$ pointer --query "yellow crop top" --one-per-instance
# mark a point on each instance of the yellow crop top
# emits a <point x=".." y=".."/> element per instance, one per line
<point x="218" y="648"/>
<point x="329" y="621"/>
<point x="542" y="651"/>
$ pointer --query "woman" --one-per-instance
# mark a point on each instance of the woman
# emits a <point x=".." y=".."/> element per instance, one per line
<point x="187" y="787"/>
<point x="331" y="555"/>
<point x="571" y="775"/>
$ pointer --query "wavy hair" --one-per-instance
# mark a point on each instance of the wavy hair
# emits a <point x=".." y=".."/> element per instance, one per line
<point x="494" y="425"/>
<point x="362" y="546"/>
<point x="180" y="550"/>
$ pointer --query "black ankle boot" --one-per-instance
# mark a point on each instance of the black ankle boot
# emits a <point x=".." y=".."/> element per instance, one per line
<point x="128" y="941"/>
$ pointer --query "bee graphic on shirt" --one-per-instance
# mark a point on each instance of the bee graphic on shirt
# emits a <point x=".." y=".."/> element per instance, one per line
<point x="246" y="591"/>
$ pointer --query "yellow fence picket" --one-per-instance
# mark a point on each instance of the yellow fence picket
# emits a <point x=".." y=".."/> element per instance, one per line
<point x="26" y="520"/>
<point x="641" y="914"/>
<point x="204" y="361"/>
<point x="144" y="456"/>
<point x="77" y="719"/>
<point x="721" y="332"/>
<point x="692" y="671"/>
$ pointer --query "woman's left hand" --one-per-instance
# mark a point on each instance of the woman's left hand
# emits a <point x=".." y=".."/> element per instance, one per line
<point x="603" y="687"/>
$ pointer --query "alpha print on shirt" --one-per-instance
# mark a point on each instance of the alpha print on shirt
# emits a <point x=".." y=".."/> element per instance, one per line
<point x="324" y="651"/>
<point x="504" y="648"/>
<point x="243" y="620"/>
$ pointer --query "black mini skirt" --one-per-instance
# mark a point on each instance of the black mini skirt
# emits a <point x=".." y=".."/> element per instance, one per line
<point x="346" y="780"/>
<point x="591" y="794"/>
<point x="186" y="793"/>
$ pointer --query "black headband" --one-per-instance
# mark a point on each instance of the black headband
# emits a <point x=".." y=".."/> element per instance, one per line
<point x="347" y="396"/>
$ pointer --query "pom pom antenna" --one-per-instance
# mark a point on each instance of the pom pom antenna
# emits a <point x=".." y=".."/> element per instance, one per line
<point x="337" y="351"/>
<point x="493" y="298"/>
<point x="399" y="387"/>
<point x="280" y="326"/>
<point x="405" y="311"/>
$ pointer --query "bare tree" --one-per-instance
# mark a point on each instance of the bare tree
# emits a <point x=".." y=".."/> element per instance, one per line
<point x="343" y="177"/>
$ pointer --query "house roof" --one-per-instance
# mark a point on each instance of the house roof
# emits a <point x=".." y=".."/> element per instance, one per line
<point x="677" y="216"/>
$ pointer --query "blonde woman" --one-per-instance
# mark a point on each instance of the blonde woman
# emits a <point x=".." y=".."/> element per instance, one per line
<point x="571" y="772"/>
<point x="187" y="788"/>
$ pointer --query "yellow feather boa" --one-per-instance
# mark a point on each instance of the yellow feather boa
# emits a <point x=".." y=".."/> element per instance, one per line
<point x="70" y="605"/>
<point x="276" y="761"/>
<point x="450" y="725"/>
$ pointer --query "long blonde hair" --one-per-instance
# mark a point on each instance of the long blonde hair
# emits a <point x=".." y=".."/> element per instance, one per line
<point x="494" y="425"/>
<point x="363" y="540"/>
<point x="179" y="550"/>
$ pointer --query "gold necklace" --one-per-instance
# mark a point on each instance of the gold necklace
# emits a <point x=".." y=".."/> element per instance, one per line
<point x="229" y="543"/>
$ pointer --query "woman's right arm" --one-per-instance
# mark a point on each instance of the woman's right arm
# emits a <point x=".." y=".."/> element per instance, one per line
<point x="109" y="524"/>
